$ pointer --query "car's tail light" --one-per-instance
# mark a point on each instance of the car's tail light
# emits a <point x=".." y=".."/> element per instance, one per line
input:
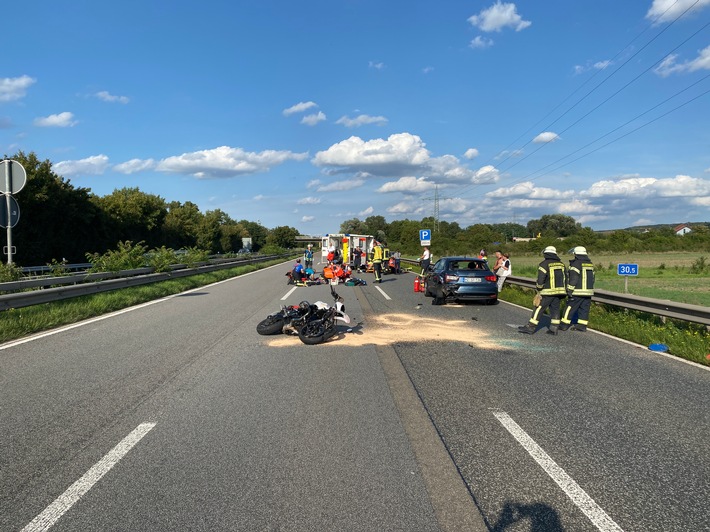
<point x="491" y="278"/>
<point x="450" y="278"/>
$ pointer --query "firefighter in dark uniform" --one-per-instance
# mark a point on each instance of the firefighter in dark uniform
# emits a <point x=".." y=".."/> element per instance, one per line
<point x="378" y="254"/>
<point x="580" y="289"/>
<point x="552" y="286"/>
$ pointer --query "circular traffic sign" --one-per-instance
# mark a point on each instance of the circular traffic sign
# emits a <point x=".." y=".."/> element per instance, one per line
<point x="11" y="217"/>
<point x="12" y="177"/>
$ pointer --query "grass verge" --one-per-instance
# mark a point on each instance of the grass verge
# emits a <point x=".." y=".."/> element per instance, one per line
<point x="17" y="323"/>
<point x="690" y="341"/>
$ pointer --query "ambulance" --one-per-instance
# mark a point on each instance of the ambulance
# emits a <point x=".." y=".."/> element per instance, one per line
<point x="347" y="246"/>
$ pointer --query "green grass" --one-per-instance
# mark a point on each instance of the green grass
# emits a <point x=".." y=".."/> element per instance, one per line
<point x="685" y="340"/>
<point x="17" y="323"/>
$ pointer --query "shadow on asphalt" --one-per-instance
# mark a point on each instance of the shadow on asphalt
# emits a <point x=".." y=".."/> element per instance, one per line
<point x="542" y="517"/>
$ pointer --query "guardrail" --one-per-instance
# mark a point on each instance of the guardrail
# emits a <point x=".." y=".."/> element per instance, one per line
<point x="659" y="307"/>
<point x="69" y="286"/>
<point x="76" y="285"/>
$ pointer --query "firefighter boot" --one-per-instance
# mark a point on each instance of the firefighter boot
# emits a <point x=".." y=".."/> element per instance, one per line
<point x="528" y="328"/>
<point x="552" y="329"/>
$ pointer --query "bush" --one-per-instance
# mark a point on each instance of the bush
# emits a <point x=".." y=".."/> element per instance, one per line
<point x="9" y="273"/>
<point x="161" y="259"/>
<point x="700" y="265"/>
<point x="126" y="257"/>
<point x="57" y="269"/>
<point x="194" y="256"/>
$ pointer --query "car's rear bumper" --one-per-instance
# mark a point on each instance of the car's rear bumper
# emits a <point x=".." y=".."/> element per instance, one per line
<point x="470" y="292"/>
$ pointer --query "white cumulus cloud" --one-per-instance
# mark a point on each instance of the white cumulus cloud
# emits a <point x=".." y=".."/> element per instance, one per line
<point x="366" y="212"/>
<point x="668" y="10"/>
<point x="407" y="207"/>
<point x="14" y="88"/>
<point x="480" y="43"/>
<point x="299" y="108"/>
<point x="310" y="200"/>
<point x="361" y="120"/>
<point x="341" y="185"/>
<point x="397" y="154"/>
<point x="226" y="162"/>
<point x="499" y="16"/>
<point x="307" y="219"/>
<point x="669" y="65"/>
<point x="134" y="166"/>
<point x="65" y="119"/>
<point x="528" y="190"/>
<point x="312" y="120"/>
<point x="94" y="165"/>
<point x="408" y="185"/>
<point x="108" y="97"/>
<point x="547" y="136"/>
<point x="471" y="153"/>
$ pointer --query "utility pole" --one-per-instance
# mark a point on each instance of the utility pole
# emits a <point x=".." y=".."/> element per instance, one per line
<point x="436" y="208"/>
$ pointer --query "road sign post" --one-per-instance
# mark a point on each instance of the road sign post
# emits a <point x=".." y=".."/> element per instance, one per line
<point x="12" y="179"/>
<point x="627" y="270"/>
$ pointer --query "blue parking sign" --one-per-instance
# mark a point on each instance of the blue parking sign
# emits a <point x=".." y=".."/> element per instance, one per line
<point x="424" y="234"/>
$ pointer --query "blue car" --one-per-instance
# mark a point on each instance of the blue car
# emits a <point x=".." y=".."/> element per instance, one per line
<point x="461" y="279"/>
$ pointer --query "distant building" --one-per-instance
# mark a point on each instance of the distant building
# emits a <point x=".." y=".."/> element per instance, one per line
<point x="682" y="229"/>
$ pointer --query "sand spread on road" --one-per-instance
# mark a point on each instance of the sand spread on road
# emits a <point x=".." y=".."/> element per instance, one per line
<point x="400" y="328"/>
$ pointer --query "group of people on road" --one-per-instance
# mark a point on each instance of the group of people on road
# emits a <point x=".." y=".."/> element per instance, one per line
<point x="554" y="282"/>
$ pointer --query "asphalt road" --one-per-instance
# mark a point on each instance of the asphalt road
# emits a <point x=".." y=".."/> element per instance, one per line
<point x="178" y="416"/>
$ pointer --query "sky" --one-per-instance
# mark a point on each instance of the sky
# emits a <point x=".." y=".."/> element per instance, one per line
<point x="310" y="113"/>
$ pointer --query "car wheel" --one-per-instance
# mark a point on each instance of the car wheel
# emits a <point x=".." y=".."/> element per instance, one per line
<point x="427" y="293"/>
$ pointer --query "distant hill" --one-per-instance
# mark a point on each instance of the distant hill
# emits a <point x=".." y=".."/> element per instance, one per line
<point x="642" y="228"/>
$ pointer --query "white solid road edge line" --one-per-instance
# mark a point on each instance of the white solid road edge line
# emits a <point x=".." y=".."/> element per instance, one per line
<point x="88" y="321"/>
<point x="66" y="500"/>
<point x="578" y="496"/>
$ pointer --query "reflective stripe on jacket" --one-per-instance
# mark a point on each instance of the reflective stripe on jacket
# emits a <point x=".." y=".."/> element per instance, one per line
<point x="581" y="277"/>
<point x="551" y="277"/>
<point x="377" y="254"/>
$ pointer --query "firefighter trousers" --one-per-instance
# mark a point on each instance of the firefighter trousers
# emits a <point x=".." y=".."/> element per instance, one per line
<point x="551" y="302"/>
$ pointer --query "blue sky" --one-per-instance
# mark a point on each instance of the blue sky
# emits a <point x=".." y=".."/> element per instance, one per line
<point x="310" y="113"/>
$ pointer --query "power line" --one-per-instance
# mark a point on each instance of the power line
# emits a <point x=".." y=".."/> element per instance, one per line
<point x="629" y="132"/>
<point x="529" y="176"/>
<point x="611" y="96"/>
<point x="595" y="75"/>
<point x="609" y="76"/>
<point x="606" y="100"/>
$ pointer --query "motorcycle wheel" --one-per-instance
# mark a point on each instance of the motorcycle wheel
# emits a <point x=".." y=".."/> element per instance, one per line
<point x="313" y="332"/>
<point x="271" y="325"/>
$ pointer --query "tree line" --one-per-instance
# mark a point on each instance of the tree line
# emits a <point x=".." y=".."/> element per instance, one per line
<point x="62" y="222"/>
<point x="449" y="238"/>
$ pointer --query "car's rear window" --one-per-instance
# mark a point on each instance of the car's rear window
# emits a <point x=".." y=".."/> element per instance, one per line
<point x="467" y="265"/>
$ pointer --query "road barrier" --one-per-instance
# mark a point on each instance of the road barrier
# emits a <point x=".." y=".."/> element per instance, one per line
<point x="659" y="307"/>
<point x="69" y="286"/>
<point x="82" y="284"/>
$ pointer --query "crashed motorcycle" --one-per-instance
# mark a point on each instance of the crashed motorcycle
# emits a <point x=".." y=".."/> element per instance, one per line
<point x="288" y="320"/>
<point x="313" y="323"/>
